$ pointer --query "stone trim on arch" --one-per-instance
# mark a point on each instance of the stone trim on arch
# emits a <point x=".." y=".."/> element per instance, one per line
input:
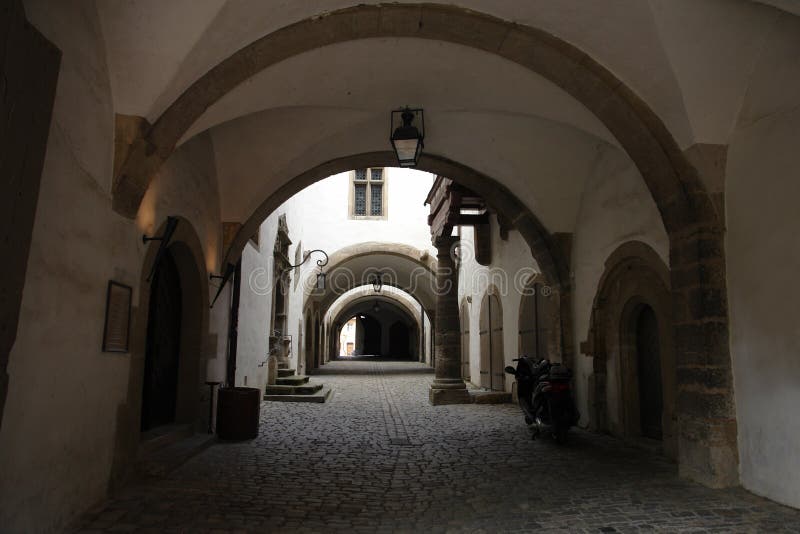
<point x="546" y="248"/>
<point x="342" y="306"/>
<point x="634" y="276"/>
<point x="421" y="258"/>
<point x="697" y="430"/>
<point x="639" y="130"/>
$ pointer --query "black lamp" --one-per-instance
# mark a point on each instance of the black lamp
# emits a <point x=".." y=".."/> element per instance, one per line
<point x="377" y="282"/>
<point x="407" y="139"/>
<point x="320" y="263"/>
<point x="172" y="223"/>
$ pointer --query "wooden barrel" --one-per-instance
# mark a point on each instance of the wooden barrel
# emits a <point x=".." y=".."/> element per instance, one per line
<point x="238" y="412"/>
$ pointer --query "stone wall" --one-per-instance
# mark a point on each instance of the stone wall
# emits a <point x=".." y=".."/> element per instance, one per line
<point x="67" y="404"/>
<point x="763" y="260"/>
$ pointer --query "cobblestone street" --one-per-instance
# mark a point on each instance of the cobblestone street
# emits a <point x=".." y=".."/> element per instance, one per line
<point x="377" y="457"/>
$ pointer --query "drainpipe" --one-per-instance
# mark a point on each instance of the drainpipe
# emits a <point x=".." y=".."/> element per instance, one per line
<point x="233" y="326"/>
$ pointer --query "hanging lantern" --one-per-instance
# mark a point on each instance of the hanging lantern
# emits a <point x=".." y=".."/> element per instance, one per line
<point x="377" y="282"/>
<point x="406" y="138"/>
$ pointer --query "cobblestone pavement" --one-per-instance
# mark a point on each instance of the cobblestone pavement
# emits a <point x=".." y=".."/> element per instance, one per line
<point x="377" y="457"/>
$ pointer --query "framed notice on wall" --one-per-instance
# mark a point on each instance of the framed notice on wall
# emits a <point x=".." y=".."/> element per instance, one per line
<point x="117" y="329"/>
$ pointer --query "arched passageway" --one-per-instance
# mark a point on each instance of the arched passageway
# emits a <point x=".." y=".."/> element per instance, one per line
<point x="404" y="308"/>
<point x="689" y="216"/>
<point x="651" y="118"/>
<point x="375" y="326"/>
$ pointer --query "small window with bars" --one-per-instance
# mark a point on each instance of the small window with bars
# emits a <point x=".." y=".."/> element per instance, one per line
<point x="368" y="193"/>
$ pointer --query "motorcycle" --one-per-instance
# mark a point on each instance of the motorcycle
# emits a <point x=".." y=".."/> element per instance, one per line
<point x="545" y="396"/>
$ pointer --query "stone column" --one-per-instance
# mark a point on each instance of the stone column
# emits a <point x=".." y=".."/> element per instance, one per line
<point x="448" y="386"/>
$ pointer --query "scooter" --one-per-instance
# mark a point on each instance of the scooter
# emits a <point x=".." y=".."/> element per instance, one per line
<point x="545" y="396"/>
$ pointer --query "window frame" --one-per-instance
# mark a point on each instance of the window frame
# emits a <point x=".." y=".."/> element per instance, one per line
<point x="369" y="182"/>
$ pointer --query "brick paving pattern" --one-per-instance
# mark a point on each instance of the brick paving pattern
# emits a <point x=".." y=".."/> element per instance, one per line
<point x="378" y="458"/>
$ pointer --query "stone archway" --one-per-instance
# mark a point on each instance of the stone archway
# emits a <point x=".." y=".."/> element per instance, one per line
<point x="695" y="228"/>
<point x="635" y="280"/>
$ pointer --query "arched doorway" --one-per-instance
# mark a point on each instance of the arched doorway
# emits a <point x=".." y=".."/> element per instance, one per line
<point x="633" y="389"/>
<point x="648" y="366"/>
<point x="163" y="346"/>
<point x="491" y="337"/>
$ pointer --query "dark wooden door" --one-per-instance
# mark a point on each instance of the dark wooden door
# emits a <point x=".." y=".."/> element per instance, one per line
<point x="649" y="371"/>
<point x="160" y="390"/>
<point x="465" y="372"/>
<point x="399" y="340"/>
<point x="485" y="337"/>
<point x="497" y="352"/>
<point x="491" y="338"/>
<point x="372" y="336"/>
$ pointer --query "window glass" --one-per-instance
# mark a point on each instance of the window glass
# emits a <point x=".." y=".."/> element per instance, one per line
<point x="360" y="200"/>
<point x="376" y="200"/>
<point x="377" y="174"/>
<point x="361" y="174"/>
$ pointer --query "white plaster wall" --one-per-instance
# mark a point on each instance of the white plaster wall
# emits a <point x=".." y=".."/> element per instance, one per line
<point x="60" y="419"/>
<point x="616" y="207"/>
<point x="509" y="270"/>
<point x="763" y="261"/>
<point x="318" y="218"/>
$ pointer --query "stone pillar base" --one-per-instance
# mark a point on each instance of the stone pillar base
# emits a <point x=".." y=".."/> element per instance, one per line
<point x="449" y="391"/>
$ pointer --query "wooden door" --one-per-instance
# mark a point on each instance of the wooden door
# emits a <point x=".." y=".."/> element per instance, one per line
<point x="160" y="387"/>
<point x="465" y="373"/>
<point x="649" y="373"/>
<point x="486" y="344"/>
<point x="496" y="341"/>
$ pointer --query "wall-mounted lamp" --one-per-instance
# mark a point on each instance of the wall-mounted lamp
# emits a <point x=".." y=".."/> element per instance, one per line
<point x="407" y="139"/>
<point x="320" y="286"/>
<point x="229" y="270"/>
<point x="377" y="282"/>
<point x="172" y="223"/>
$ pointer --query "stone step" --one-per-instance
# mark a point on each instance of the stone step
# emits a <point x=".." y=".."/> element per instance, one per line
<point x="305" y="389"/>
<point x="285" y="372"/>
<point x="294" y="380"/>
<point x="489" y="397"/>
<point x="162" y="436"/>
<point x="168" y="458"/>
<point x="282" y="365"/>
<point x="319" y="397"/>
